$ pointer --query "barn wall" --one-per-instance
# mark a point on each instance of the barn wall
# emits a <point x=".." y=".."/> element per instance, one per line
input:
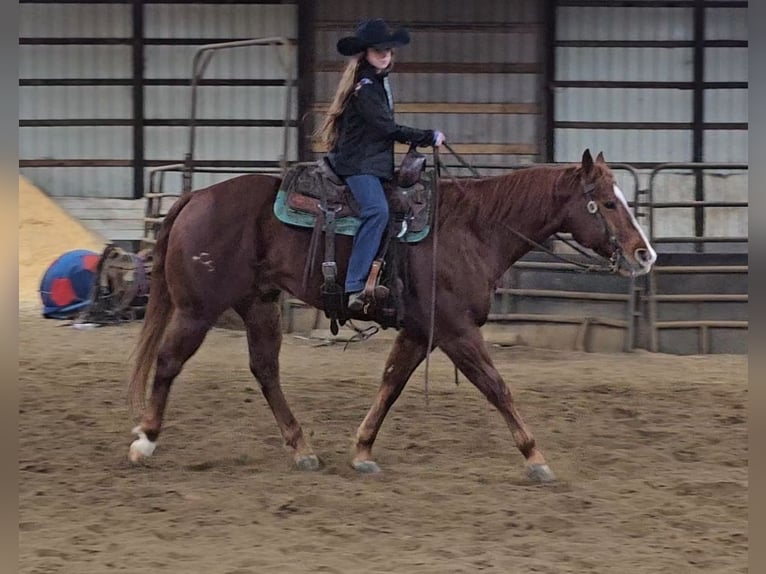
<point x="104" y="92"/>
<point x="658" y="82"/>
<point x="241" y="100"/>
<point x="76" y="98"/>
<point x="473" y="70"/>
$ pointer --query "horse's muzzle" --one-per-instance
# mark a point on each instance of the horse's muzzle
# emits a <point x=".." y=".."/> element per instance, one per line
<point x="639" y="264"/>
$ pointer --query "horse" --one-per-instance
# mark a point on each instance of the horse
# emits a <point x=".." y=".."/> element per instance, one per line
<point x="222" y="247"/>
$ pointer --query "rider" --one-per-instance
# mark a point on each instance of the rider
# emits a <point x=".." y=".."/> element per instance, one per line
<point x="359" y="129"/>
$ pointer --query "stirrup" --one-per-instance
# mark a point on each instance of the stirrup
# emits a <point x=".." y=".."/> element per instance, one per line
<point x="357" y="301"/>
<point x="373" y="290"/>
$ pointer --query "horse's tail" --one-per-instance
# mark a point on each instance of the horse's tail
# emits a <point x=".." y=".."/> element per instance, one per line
<point x="158" y="311"/>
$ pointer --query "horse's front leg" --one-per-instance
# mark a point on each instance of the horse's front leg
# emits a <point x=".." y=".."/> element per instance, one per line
<point x="407" y="353"/>
<point x="470" y="355"/>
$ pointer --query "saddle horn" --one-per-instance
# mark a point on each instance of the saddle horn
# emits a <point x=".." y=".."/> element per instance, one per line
<point x="412" y="166"/>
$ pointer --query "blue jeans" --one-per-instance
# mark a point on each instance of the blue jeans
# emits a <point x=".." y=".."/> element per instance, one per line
<point x="373" y="207"/>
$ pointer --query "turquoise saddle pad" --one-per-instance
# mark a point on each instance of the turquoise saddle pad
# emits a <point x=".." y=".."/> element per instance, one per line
<point x="343" y="226"/>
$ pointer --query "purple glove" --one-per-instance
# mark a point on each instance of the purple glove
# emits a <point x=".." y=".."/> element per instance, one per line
<point x="438" y="138"/>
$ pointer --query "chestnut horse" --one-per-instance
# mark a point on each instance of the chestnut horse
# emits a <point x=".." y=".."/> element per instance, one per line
<point x="222" y="247"/>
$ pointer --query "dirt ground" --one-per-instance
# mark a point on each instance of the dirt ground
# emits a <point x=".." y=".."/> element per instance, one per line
<point x="650" y="451"/>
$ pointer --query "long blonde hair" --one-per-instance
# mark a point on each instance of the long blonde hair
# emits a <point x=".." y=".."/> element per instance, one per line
<point x="328" y="131"/>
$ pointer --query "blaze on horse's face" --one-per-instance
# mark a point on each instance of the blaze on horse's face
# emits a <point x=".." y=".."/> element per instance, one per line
<point x="598" y="217"/>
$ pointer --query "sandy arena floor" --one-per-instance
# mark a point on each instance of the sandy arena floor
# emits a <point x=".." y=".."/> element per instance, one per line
<point x="650" y="451"/>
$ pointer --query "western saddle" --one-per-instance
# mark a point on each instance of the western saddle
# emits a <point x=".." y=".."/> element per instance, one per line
<point x="316" y="189"/>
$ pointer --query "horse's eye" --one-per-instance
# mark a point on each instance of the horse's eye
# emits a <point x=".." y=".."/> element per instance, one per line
<point x="610" y="204"/>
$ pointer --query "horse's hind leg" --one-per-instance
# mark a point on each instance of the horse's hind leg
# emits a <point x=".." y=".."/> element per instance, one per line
<point x="183" y="337"/>
<point x="469" y="354"/>
<point x="264" y="339"/>
<point x="406" y="354"/>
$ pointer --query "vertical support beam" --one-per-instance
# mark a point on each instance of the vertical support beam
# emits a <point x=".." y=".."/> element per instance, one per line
<point x="698" y="132"/>
<point x="138" y="98"/>
<point x="704" y="340"/>
<point x="631" y="317"/>
<point x="305" y="81"/>
<point x="654" y="335"/>
<point x="581" y="340"/>
<point x="549" y="79"/>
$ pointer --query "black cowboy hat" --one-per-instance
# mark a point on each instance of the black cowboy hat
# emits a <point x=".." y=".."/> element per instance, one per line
<point x="372" y="34"/>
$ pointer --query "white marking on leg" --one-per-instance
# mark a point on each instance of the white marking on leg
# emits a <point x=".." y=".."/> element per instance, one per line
<point x="142" y="447"/>
<point x="652" y="252"/>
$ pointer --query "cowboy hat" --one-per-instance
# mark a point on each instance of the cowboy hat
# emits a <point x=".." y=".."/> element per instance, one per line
<point x="372" y="34"/>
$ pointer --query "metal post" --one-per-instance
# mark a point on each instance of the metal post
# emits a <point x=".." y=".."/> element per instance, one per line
<point x="306" y="56"/>
<point x="699" y="118"/>
<point x="138" y="98"/>
<point x="289" y="81"/>
<point x="549" y="79"/>
<point x="630" y="316"/>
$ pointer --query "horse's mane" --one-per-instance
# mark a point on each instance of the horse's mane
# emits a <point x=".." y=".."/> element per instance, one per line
<point x="527" y="192"/>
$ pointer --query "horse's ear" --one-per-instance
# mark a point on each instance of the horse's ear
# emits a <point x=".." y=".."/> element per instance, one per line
<point x="587" y="161"/>
<point x="600" y="157"/>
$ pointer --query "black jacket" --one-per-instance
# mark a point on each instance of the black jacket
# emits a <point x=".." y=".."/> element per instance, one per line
<point x="367" y="130"/>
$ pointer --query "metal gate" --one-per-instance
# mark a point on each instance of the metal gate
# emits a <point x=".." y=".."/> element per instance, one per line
<point x="156" y="207"/>
<point x="697" y="297"/>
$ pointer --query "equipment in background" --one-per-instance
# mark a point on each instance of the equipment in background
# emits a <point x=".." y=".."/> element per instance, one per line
<point x="67" y="283"/>
<point x="120" y="292"/>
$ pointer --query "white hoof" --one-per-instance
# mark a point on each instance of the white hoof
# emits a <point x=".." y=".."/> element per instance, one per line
<point x="142" y="447"/>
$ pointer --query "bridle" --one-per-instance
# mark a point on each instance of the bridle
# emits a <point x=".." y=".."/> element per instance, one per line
<point x="592" y="207"/>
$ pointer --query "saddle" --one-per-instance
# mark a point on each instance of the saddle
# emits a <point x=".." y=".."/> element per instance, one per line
<point x="308" y="186"/>
<point x="315" y="189"/>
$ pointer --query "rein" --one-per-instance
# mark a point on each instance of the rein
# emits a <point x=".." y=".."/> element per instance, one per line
<point x="435" y="227"/>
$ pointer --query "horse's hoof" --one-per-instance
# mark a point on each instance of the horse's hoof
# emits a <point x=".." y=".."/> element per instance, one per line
<point x="135" y="456"/>
<point x="540" y="474"/>
<point x="141" y="448"/>
<point x="366" y="466"/>
<point x="307" y="462"/>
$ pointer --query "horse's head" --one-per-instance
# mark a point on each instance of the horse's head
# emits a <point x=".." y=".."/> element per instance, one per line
<point x="598" y="217"/>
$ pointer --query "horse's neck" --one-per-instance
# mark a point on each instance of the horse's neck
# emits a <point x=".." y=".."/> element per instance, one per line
<point x="530" y="213"/>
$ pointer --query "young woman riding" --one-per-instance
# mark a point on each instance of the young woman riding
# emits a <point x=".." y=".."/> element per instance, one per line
<point x="360" y="131"/>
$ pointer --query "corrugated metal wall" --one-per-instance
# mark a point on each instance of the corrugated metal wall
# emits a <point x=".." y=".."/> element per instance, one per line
<point x="626" y="80"/>
<point x="473" y="70"/>
<point x="656" y="82"/>
<point x="75" y="97"/>
<point x="104" y="91"/>
<point x="650" y="47"/>
<point x="241" y="101"/>
<point x="726" y="62"/>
